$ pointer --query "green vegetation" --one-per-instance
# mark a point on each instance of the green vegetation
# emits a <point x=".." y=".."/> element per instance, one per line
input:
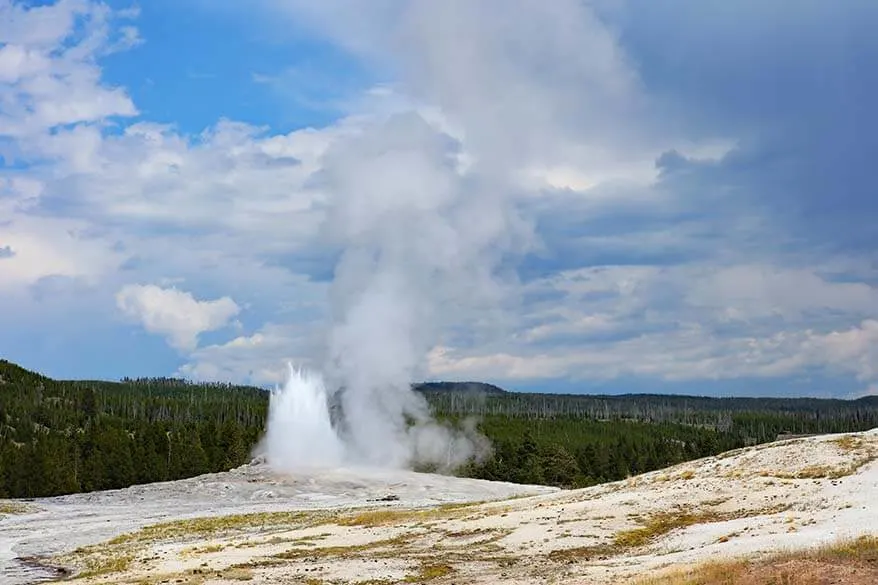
<point x="64" y="437"/>
<point x="60" y="437"/>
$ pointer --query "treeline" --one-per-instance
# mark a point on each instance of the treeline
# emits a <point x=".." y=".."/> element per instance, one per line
<point x="802" y="415"/>
<point x="576" y="452"/>
<point x="60" y="437"/>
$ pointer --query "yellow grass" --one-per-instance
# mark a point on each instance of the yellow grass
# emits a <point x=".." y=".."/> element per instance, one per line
<point x="428" y="572"/>
<point x="385" y="516"/>
<point x="381" y="517"/>
<point x="14" y="508"/>
<point x="106" y="564"/>
<point x="850" y="562"/>
<point x="660" y="524"/>
<point x="652" y="528"/>
<point x="213" y="525"/>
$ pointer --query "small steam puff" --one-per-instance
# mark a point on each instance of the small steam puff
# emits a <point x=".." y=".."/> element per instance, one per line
<point x="302" y="433"/>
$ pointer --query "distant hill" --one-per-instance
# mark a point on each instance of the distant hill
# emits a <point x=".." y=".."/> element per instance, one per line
<point x="463" y="387"/>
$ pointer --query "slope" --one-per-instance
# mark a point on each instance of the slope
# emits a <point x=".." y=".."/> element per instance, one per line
<point x="313" y="528"/>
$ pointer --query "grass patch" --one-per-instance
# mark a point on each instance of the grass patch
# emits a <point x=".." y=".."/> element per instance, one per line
<point x="9" y="508"/>
<point x="428" y="572"/>
<point x="584" y="553"/>
<point x="825" y="471"/>
<point x="117" y="554"/>
<point x="371" y="518"/>
<point x="201" y="550"/>
<point x="653" y="527"/>
<point x="350" y="551"/>
<point x="105" y="564"/>
<point x="852" y="562"/>
<point x="385" y="516"/>
<point x="861" y="454"/>
<point x="238" y="574"/>
<point x="214" y="525"/>
<point x="848" y="443"/>
<point x="468" y="533"/>
<point x="661" y="524"/>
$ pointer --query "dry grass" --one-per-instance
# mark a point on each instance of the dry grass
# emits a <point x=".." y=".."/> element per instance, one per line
<point x="853" y="562"/>
<point x="825" y="471"/>
<point x="373" y="549"/>
<point x="105" y="564"/>
<point x="859" y="453"/>
<point x="428" y="572"/>
<point x="216" y="525"/>
<point x="15" y="508"/>
<point x="238" y="574"/>
<point x="661" y="524"/>
<point x="203" y="550"/>
<point x="117" y="555"/>
<point x="651" y="529"/>
<point x="383" y="517"/>
<point x="584" y="553"/>
<point x="848" y="443"/>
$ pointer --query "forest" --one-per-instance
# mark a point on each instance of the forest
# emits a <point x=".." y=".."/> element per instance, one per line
<point x="61" y="437"/>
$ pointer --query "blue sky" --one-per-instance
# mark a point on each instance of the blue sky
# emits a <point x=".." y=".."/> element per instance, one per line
<point x="605" y="197"/>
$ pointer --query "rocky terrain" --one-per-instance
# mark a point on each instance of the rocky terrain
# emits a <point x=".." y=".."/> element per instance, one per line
<point x="380" y="527"/>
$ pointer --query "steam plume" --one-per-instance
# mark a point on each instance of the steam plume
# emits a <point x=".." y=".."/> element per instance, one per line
<point x="420" y="241"/>
<point x="421" y="234"/>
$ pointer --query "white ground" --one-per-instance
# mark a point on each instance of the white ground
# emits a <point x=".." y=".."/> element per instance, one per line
<point x="62" y="524"/>
<point x="763" y="499"/>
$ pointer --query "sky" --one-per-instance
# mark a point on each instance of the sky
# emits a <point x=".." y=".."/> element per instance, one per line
<point x="687" y="188"/>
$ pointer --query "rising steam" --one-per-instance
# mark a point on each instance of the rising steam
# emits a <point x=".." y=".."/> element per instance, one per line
<point x="422" y="224"/>
<point x="418" y="244"/>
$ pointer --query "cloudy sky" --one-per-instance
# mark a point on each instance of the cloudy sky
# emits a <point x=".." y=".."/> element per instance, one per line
<point x="631" y="195"/>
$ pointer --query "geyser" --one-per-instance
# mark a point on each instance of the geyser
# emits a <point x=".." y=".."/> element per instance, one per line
<point x="300" y="431"/>
<point x="303" y="433"/>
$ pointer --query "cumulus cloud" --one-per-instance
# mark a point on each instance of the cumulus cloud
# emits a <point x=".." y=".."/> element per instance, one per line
<point x="175" y="314"/>
<point x="48" y="74"/>
<point x="688" y="354"/>
<point x="260" y="358"/>
<point x="44" y="247"/>
<point x="681" y="324"/>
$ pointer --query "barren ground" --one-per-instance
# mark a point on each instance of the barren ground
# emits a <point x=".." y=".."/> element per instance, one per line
<point x="361" y="526"/>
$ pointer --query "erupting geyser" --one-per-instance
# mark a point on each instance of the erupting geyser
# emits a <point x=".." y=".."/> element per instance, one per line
<point x="303" y="433"/>
<point x="300" y="431"/>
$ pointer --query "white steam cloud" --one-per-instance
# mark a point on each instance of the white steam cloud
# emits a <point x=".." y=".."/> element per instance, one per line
<point x="421" y="234"/>
<point x="420" y="241"/>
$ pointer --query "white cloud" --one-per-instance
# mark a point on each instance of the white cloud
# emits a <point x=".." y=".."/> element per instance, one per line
<point x="752" y="291"/>
<point x="81" y="201"/>
<point x="175" y="314"/>
<point x="53" y="247"/>
<point x="690" y="353"/>
<point x="48" y="74"/>
<point x="259" y="358"/>
<point x="735" y="322"/>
